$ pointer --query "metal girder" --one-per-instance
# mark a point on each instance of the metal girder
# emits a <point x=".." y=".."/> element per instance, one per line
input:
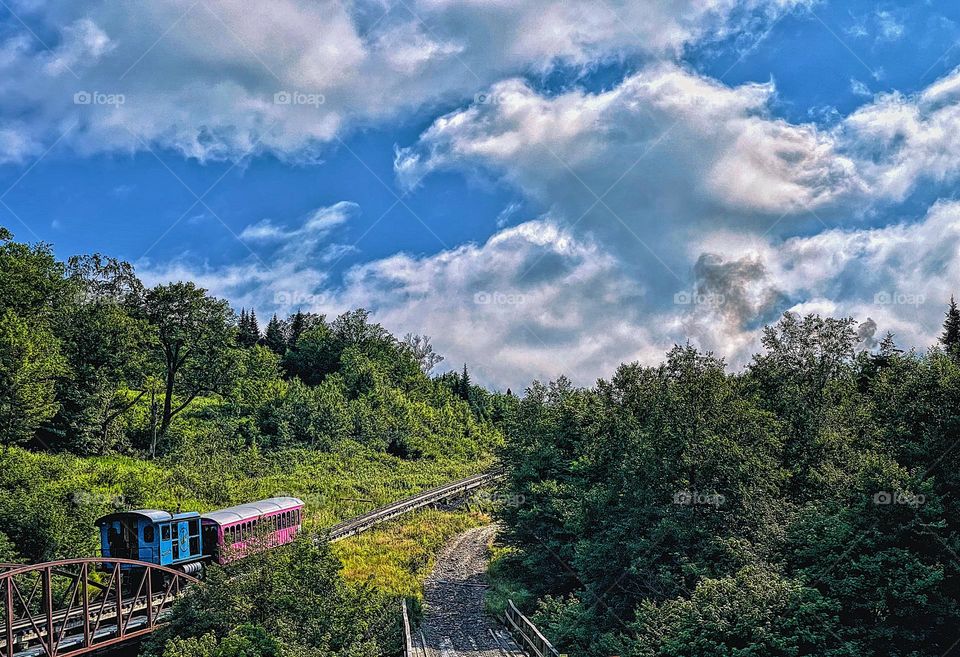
<point x="63" y="608"/>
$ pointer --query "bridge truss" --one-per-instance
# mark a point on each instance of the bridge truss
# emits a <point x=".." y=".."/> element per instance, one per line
<point x="77" y="606"/>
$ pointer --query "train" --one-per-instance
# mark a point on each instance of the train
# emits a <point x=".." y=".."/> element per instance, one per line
<point x="189" y="541"/>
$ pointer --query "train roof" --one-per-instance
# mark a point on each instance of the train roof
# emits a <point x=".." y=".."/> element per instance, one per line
<point x="252" y="510"/>
<point x="153" y="515"/>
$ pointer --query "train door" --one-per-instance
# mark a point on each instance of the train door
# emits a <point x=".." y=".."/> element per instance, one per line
<point x="166" y="544"/>
<point x="182" y="551"/>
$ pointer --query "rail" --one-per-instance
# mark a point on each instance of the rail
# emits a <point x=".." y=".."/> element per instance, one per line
<point x="131" y="603"/>
<point x="407" y="640"/>
<point x="531" y="639"/>
<point x="362" y="523"/>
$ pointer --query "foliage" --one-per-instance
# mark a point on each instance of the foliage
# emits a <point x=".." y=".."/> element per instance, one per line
<point x="289" y="601"/>
<point x="951" y="327"/>
<point x="94" y="363"/>
<point x="30" y="362"/>
<point x="806" y="505"/>
<point x="48" y="503"/>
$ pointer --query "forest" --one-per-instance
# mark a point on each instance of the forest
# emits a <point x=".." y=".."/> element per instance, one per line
<point x="115" y="395"/>
<point x="806" y="505"/>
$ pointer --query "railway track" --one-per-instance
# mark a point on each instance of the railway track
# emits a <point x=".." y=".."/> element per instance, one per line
<point x="363" y="522"/>
<point x="455" y="622"/>
<point x="82" y="628"/>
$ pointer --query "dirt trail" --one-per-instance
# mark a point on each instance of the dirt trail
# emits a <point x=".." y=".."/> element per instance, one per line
<point x="454" y="623"/>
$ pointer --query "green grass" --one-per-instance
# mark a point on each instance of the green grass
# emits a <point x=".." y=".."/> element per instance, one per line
<point x="48" y="502"/>
<point x="503" y="583"/>
<point x="397" y="558"/>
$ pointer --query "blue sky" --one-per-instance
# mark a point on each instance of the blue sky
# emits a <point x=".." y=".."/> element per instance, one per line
<point x="543" y="187"/>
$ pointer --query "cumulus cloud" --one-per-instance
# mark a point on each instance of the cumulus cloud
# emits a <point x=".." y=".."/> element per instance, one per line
<point x="896" y="278"/>
<point x="724" y="195"/>
<point x="902" y="140"/>
<point x="666" y="140"/>
<point x="531" y="302"/>
<point x="536" y="300"/>
<point x="221" y="79"/>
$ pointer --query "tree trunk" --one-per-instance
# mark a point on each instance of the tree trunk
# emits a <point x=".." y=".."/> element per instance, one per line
<point x="153" y="423"/>
<point x="168" y="402"/>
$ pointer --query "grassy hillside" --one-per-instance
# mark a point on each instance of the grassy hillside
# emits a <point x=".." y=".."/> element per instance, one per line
<point x="398" y="558"/>
<point x="48" y="502"/>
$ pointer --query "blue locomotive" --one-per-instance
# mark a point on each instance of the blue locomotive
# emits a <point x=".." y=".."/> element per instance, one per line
<point x="166" y="539"/>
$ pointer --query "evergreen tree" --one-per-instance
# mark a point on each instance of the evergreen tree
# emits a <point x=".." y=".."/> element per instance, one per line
<point x="465" y="384"/>
<point x="248" y="333"/>
<point x="242" y="326"/>
<point x="297" y="327"/>
<point x="253" y="328"/>
<point x="951" y="327"/>
<point x="275" y="338"/>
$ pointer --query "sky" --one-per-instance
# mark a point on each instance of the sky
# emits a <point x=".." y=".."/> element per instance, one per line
<point x="546" y="187"/>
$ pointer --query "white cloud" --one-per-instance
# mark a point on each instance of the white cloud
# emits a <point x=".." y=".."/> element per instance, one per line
<point x="900" y="141"/>
<point x="531" y="302"/>
<point x="287" y="272"/>
<point x="661" y="156"/>
<point x="317" y="225"/>
<point x="201" y="78"/>
<point x="899" y="276"/>
<point x="536" y="301"/>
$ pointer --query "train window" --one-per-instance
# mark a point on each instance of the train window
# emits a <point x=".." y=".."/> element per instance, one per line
<point x="164" y="532"/>
<point x="148" y="534"/>
<point x="194" y="527"/>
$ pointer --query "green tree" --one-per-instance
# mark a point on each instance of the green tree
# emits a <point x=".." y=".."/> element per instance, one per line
<point x="30" y="364"/>
<point x="248" y="330"/>
<point x="299" y="324"/>
<point x="951" y="327"/>
<point x="753" y="613"/>
<point x="32" y="281"/>
<point x="465" y="385"/>
<point x="194" y="335"/>
<point x="106" y="347"/>
<point x="293" y="598"/>
<point x="275" y="336"/>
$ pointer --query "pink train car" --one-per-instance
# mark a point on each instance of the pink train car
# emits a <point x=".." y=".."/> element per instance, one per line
<point x="232" y="533"/>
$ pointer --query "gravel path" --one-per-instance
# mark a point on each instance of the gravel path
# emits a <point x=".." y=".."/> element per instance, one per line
<point x="454" y="623"/>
